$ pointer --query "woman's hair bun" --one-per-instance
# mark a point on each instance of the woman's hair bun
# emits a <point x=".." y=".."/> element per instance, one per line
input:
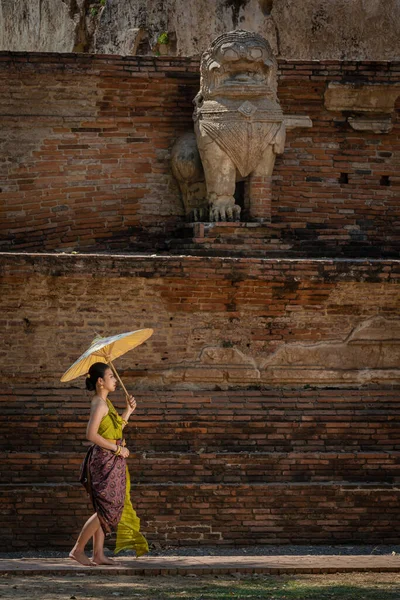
<point x="89" y="384"/>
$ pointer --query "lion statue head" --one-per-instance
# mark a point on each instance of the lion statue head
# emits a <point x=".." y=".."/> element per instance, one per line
<point x="238" y="63"/>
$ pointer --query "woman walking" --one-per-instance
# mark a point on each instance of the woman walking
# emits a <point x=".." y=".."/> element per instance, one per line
<point x="105" y="475"/>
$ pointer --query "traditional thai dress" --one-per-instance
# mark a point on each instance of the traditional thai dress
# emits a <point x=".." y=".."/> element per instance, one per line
<point x="107" y="481"/>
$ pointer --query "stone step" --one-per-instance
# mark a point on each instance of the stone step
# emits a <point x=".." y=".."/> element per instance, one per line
<point x="34" y="468"/>
<point x="208" y="565"/>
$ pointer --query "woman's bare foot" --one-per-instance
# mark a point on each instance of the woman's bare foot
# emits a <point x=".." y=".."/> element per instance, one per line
<point x="81" y="558"/>
<point x="102" y="559"/>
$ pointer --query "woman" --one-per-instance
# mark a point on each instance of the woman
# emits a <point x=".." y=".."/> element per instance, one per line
<point x="106" y="476"/>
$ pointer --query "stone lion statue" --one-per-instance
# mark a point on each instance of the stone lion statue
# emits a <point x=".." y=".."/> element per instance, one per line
<point x="238" y="122"/>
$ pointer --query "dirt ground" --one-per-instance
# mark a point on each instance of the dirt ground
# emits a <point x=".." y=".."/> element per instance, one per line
<point x="82" y="586"/>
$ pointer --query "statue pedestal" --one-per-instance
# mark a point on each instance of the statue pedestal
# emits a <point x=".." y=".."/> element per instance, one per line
<point x="229" y="239"/>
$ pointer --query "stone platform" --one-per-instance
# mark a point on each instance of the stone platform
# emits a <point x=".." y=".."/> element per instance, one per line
<point x="230" y="239"/>
<point x="209" y="565"/>
<point x="274" y="240"/>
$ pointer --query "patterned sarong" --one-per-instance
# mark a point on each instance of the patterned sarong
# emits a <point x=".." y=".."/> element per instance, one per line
<point x="106" y="479"/>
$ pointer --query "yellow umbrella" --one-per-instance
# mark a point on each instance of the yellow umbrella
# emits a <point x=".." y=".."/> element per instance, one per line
<point x="105" y="350"/>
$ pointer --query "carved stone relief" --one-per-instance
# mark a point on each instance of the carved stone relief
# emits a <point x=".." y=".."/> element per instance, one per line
<point x="372" y="105"/>
<point x="369" y="354"/>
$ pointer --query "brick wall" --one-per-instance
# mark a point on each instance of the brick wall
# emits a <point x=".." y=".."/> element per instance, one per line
<point x="86" y="143"/>
<point x="301" y="466"/>
<point x="217" y="321"/>
<point x="219" y="454"/>
<point x="86" y="147"/>
<point x="263" y="421"/>
<point x="329" y="187"/>
<point x="268" y="395"/>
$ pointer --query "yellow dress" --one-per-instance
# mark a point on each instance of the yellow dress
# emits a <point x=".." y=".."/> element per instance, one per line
<point x="128" y="534"/>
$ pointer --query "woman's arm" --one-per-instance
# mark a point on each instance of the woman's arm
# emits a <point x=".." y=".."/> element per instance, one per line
<point x="130" y="407"/>
<point x="98" y="411"/>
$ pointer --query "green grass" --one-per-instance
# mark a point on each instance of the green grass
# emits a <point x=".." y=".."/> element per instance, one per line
<point x="273" y="588"/>
<point x="349" y="586"/>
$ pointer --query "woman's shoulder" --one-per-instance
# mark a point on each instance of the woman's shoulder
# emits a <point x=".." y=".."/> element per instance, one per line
<point x="99" y="405"/>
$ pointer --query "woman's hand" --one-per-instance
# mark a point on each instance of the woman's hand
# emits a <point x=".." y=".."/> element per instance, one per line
<point x="130" y="404"/>
<point x="124" y="452"/>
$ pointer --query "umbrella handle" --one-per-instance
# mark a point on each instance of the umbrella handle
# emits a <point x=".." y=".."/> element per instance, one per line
<point x="119" y="378"/>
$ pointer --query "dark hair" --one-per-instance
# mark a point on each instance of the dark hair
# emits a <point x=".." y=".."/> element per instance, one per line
<point x="96" y="370"/>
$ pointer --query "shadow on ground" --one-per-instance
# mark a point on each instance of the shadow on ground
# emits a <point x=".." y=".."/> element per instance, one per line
<point x="82" y="586"/>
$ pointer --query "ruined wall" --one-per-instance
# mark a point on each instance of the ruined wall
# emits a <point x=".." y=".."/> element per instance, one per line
<point x="85" y="148"/>
<point x="226" y="322"/>
<point x="268" y="394"/>
<point x="86" y="143"/>
<point x="314" y="30"/>
<point x="266" y="384"/>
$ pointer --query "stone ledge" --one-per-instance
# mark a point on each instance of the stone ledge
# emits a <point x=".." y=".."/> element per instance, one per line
<point x="209" y="565"/>
<point x="181" y="266"/>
